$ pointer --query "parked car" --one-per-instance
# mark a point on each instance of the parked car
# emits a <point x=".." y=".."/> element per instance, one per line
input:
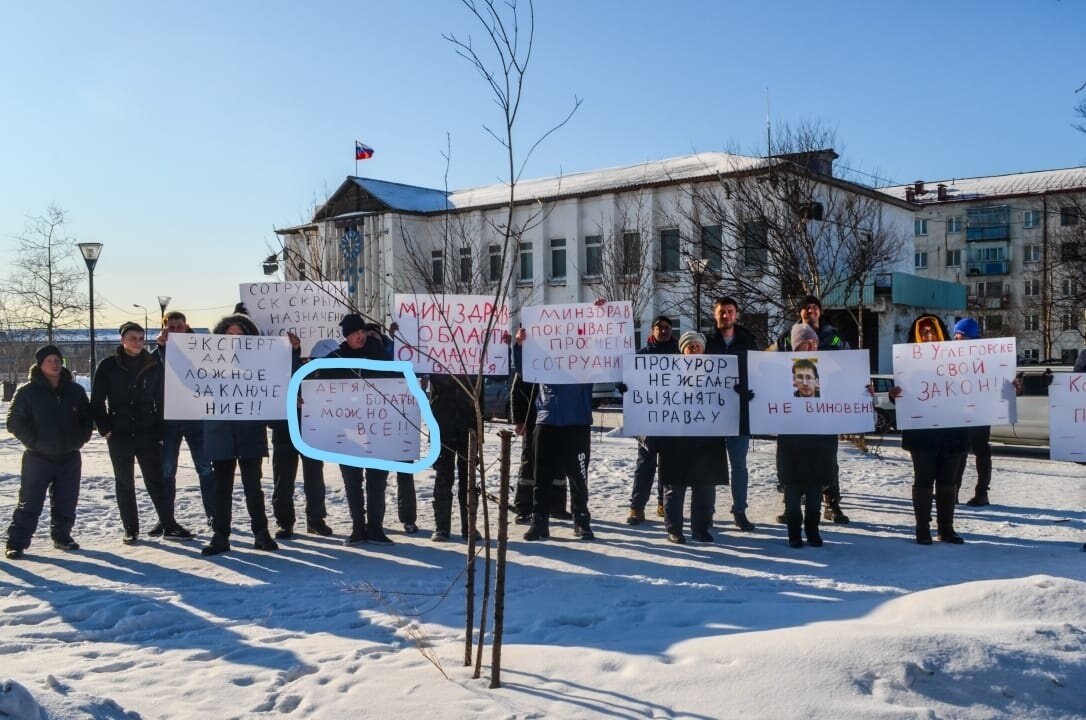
<point x="885" y="411"/>
<point x="496" y="403"/>
<point x="606" y="394"/>
<point x="1032" y="425"/>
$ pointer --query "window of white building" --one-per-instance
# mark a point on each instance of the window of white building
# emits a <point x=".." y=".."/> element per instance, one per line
<point x="1032" y="288"/>
<point x="1031" y="218"/>
<point x="437" y="267"/>
<point x="558" y="258"/>
<point x="920" y="227"/>
<point x="920" y="260"/>
<point x="465" y="265"/>
<point x="1030" y="323"/>
<point x="593" y="255"/>
<point x="953" y="224"/>
<point x="953" y="258"/>
<point x="495" y="258"/>
<point x="525" y="270"/>
<point x="669" y="250"/>
<point x="1032" y="254"/>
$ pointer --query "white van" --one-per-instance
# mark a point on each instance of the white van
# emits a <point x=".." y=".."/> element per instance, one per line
<point x="1032" y="425"/>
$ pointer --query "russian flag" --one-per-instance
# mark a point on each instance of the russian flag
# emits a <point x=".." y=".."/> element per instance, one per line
<point x="362" y="151"/>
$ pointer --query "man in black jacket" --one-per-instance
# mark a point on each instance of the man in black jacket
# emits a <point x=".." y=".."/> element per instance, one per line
<point x="126" y="399"/>
<point x="661" y="342"/>
<point x="731" y="338"/>
<point x="51" y="417"/>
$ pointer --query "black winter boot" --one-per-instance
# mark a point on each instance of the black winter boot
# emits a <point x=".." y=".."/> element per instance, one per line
<point x="922" y="511"/>
<point x="810" y="527"/>
<point x="944" y="510"/>
<point x="795" y="538"/>
<point x="219" y="544"/>
<point x="539" y="529"/>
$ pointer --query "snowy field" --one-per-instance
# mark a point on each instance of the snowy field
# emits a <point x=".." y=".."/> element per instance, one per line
<point x="629" y="626"/>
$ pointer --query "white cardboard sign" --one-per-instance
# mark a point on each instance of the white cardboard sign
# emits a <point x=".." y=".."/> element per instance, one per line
<point x="445" y="334"/>
<point x="577" y="342"/>
<point x="310" y="310"/>
<point x="226" y="377"/>
<point x="957" y="383"/>
<point x="362" y="417"/>
<point x="810" y="393"/>
<point x="1067" y="417"/>
<point x="673" y="395"/>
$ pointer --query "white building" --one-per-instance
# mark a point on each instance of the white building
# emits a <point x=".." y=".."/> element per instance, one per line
<point x="638" y="232"/>
<point x="1016" y="241"/>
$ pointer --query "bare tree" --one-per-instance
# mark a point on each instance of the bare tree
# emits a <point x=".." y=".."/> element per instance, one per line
<point x="45" y="287"/>
<point x="791" y="228"/>
<point x="616" y="254"/>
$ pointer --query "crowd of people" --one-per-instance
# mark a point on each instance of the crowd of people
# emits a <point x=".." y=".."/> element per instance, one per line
<point x="53" y="418"/>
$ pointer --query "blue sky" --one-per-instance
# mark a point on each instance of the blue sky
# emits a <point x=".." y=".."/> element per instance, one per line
<point x="181" y="133"/>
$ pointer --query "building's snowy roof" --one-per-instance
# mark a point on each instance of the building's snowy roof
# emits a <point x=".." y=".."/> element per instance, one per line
<point x="995" y="186"/>
<point x="687" y="167"/>
<point x="408" y="198"/>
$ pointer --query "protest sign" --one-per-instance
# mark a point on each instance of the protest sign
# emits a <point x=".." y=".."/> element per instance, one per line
<point x="810" y="393"/>
<point x="1067" y="417"/>
<point x="226" y="377"/>
<point x="672" y="395"/>
<point x="577" y="343"/>
<point x="445" y="334"/>
<point x="310" y="310"/>
<point x="955" y="383"/>
<point x="361" y="417"/>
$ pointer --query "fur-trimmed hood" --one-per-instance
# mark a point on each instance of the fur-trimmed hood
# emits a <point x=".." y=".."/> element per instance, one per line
<point x="243" y="321"/>
<point x="941" y="333"/>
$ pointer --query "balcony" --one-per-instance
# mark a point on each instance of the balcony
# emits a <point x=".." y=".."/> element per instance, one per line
<point x="988" y="267"/>
<point x="1001" y="302"/>
<point x="984" y="233"/>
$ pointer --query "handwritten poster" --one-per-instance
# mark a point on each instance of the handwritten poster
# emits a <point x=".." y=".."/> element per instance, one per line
<point x="955" y="383"/>
<point x="226" y="377"/>
<point x="370" y="418"/>
<point x="446" y="334"/>
<point x="1067" y="417"/>
<point x="810" y="393"/>
<point x="578" y="342"/>
<point x="310" y="310"/>
<point x="673" y="395"/>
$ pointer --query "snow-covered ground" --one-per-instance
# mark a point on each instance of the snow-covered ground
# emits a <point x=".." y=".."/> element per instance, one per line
<point x="869" y="626"/>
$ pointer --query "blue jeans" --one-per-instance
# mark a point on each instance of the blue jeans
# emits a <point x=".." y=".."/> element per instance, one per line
<point x="737" y="459"/>
<point x="192" y="431"/>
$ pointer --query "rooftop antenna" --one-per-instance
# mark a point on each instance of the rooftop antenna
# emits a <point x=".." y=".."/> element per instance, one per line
<point x="768" y="127"/>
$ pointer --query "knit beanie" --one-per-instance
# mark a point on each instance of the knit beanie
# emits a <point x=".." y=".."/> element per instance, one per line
<point x="352" y="322"/>
<point x="968" y="327"/>
<point x="802" y="332"/>
<point x="45" y="351"/>
<point x="691" y="336"/>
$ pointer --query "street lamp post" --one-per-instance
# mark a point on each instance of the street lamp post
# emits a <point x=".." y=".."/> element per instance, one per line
<point x="90" y="252"/>
<point x="137" y="305"/>
<point x="163" y="301"/>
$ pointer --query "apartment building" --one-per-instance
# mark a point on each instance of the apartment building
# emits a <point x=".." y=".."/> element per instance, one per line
<point x="1017" y="243"/>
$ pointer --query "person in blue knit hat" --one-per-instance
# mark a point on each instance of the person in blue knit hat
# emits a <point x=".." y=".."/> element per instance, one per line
<point x="979" y="436"/>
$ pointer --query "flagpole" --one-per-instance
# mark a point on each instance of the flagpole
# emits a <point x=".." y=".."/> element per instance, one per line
<point x="356" y="158"/>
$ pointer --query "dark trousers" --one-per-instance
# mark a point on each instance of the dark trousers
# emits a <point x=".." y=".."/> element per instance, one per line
<point x="40" y="476"/>
<point x="285" y="458"/>
<point x="124" y="454"/>
<point x="831" y="486"/>
<point x="644" y="472"/>
<point x="224" y="494"/>
<point x="980" y="446"/>
<point x="702" y="500"/>
<point x="451" y="467"/>
<point x="192" y="432"/>
<point x="522" y="497"/>
<point x="805" y="466"/>
<point x="406" y="504"/>
<point x="936" y="468"/>
<point x="562" y="451"/>
<point x="367" y="507"/>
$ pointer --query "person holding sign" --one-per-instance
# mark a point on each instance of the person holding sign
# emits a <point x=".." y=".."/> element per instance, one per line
<point x="51" y="417"/>
<point x="731" y="338"/>
<point x="234" y="444"/>
<point x="364" y="487"/>
<point x="174" y="431"/>
<point x="661" y="342"/>
<point x="694" y="462"/>
<point x="127" y="401"/>
<point x="805" y="463"/>
<point x="936" y="454"/>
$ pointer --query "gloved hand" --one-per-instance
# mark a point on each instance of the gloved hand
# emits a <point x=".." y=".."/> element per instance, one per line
<point x="742" y="392"/>
<point x="621" y="387"/>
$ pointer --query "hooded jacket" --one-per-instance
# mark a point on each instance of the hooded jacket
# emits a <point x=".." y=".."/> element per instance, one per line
<point x="53" y="423"/>
<point x="954" y="439"/>
<point x="127" y="405"/>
